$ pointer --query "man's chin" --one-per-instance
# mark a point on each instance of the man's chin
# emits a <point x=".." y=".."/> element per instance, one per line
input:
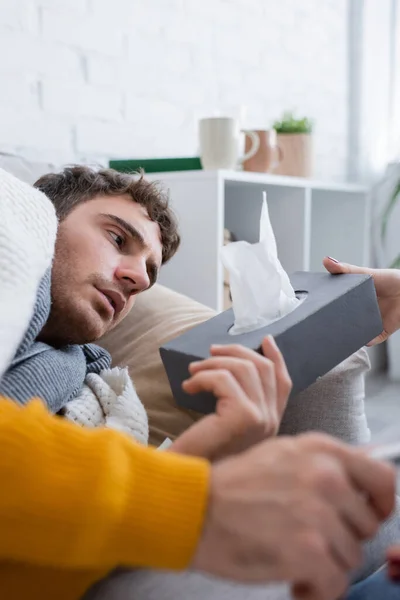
<point x="74" y="322"/>
<point x="91" y="330"/>
<point x="91" y="324"/>
<point x="79" y="332"/>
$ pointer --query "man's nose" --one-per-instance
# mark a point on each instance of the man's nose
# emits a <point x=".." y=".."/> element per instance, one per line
<point x="134" y="276"/>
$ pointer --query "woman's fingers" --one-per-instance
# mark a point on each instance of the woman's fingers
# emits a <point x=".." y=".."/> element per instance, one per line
<point x="393" y="556"/>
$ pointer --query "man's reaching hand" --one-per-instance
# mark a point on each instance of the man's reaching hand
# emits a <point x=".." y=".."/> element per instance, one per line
<point x="251" y="391"/>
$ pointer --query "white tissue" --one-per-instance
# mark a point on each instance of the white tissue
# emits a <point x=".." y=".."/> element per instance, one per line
<point x="260" y="288"/>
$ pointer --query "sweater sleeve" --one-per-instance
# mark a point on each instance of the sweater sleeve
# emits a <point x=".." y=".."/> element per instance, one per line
<point x="92" y="498"/>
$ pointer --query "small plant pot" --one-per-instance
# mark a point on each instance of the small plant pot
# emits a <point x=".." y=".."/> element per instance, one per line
<point x="296" y="155"/>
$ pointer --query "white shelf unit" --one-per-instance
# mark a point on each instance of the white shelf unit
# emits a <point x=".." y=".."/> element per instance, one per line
<point x="311" y="219"/>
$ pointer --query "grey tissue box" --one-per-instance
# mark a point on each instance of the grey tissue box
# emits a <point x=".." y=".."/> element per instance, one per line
<point x="339" y="315"/>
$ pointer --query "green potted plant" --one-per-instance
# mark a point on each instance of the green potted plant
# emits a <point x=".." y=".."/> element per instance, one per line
<point x="295" y="141"/>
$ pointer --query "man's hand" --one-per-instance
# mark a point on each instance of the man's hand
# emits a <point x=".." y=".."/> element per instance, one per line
<point x="251" y="391"/>
<point x="387" y="285"/>
<point x="294" y="510"/>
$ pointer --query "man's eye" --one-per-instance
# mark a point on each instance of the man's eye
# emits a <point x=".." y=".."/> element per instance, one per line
<point x="118" y="239"/>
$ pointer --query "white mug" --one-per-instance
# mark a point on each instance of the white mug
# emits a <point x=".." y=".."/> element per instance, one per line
<point x="219" y="143"/>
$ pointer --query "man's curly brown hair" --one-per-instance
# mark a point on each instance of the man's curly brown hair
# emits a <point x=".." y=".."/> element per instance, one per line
<point x="77" y="184"/>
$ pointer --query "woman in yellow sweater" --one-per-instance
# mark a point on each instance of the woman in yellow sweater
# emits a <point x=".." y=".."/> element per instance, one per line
<point x="76" y="503"/>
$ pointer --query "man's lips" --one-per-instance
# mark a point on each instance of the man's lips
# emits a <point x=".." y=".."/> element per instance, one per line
<point x="115" y="299"/>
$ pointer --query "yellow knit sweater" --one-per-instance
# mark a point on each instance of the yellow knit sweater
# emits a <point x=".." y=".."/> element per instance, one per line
<point x="75" y="503"/>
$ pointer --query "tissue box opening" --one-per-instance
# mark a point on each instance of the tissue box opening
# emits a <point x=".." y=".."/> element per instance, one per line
<point x="339" y="315"/>
<point x="301" y="295"/>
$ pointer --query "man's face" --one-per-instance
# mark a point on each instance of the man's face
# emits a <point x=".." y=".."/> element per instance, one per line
<point x="107" y="251"/>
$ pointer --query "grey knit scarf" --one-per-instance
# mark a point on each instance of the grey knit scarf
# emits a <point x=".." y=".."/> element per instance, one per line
<point x="39" y="370"/>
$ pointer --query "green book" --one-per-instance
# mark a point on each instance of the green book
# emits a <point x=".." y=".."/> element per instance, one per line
<point x="156" y="165"/>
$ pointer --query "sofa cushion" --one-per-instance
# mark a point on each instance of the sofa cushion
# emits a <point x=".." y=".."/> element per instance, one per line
<point x="159" y="315"/>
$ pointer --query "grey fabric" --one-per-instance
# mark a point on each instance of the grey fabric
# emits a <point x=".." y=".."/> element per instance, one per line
<point x="334" y="405"/>
<point x="162" y="585"/>
<point x="376" y="587"/>
<point x="193" y="586"/>
<point x="375" y="550"/>
<point x="39" y="370"/>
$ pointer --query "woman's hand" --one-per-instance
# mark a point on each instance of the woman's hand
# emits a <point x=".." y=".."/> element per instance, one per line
<point x="387" y="285"/>
<point x="251" y="391"/>
<point x="393" y="556"/>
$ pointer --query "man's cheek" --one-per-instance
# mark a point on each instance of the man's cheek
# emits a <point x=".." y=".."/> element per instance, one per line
<point x="105" y="258"/>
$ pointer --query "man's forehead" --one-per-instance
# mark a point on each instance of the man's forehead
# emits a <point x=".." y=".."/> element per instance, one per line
<point x="109" y="204"/>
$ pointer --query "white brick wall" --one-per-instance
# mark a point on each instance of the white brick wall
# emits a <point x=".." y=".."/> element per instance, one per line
<point x="89" y="79"/>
